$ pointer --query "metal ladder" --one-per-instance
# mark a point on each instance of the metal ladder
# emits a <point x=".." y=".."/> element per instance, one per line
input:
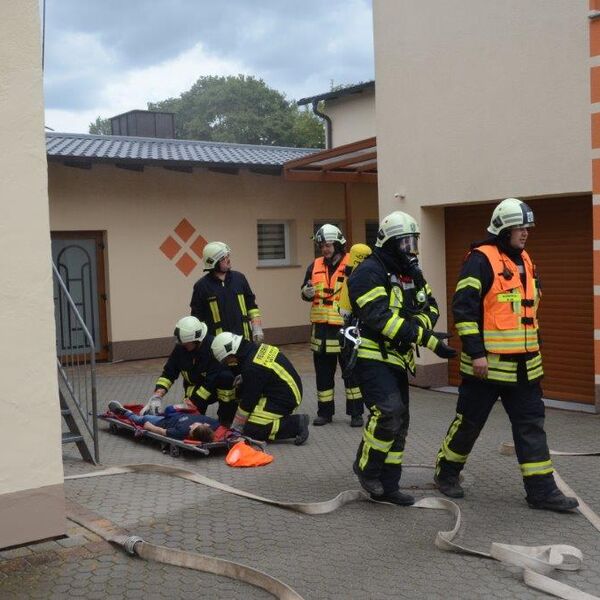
<point x="76" y="364"/>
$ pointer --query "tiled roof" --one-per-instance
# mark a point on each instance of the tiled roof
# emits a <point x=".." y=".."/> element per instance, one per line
<point x="126" y="149"/>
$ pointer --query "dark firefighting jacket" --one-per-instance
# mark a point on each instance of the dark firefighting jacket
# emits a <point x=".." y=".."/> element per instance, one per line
<point x="198" y="368"/>
<point x="271" y="386"/>
<point x="393" y="312"/>
<point x="227" y="305"/>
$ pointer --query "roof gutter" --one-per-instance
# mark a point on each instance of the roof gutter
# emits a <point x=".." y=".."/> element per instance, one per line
<point x="328" y="125"/>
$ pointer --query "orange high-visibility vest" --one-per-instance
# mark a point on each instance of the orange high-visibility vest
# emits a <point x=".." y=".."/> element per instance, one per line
<point x="324" y="307"/>
<point x="510" y="323"/>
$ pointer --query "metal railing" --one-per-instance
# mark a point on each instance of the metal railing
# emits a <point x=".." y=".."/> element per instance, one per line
<point x="76" y="362"/>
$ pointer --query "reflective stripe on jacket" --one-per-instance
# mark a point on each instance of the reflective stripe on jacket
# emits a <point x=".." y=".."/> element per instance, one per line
<point x="510" y="323"/>
<point x="324" y="308"/>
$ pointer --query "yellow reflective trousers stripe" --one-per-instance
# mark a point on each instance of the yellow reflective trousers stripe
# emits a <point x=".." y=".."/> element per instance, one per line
<point x="537" y="468"/>
<point x="445" y="451"/>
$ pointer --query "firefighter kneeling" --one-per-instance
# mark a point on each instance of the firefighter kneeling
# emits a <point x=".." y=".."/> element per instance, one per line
<point x="271" y="389"/>
<point x="395" y="310"/>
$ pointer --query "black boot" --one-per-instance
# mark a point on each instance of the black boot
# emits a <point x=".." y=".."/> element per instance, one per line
<point x="370" y="484"/>
<point x="396" y="497"/>
<point x="449" y="485"/>
<point x="302" y="435"/>
<point x="356" y="421"/>
<point x="321" y="420"/>
<point x="555" y="501"/>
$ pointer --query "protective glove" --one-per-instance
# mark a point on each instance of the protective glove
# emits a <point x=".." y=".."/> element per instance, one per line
<point x="258" y="336"/>
<point x="435" y="342"/>
<point x="308" y="291"/>
<point x="239" y="421"/>
<point x="153" y="406"/>
<point x="237" y="381"/>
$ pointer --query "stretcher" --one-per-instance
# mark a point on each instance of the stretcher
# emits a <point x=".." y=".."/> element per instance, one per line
<point x="224" y="438"/>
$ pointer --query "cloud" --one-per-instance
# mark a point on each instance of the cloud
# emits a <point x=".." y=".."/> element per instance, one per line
<point x="132" y="89"/>
<point x="110" y="56"/>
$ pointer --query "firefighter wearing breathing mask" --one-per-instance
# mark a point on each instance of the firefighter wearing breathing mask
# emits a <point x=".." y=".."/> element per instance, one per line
<point x="396" y="312"/>
<point x="223" y="298"/>
<point x="495" y="311"/>
<point x="322" y="287"/>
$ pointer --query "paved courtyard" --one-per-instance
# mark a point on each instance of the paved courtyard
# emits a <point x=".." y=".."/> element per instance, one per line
<point x="363" y="550"/>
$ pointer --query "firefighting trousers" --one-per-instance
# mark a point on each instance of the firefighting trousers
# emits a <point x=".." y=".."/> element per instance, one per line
<point x="279" y="428"/>
<point x="385" y="393"/>
<point x="325" y="366"/>
<point x="525" y="408"/>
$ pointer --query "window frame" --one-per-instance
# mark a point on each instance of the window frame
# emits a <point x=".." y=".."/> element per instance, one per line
<point x="275" y="262"/>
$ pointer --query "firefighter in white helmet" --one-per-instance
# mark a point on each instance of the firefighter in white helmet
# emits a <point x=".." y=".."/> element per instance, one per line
<point x="223" y="298"/>
<point x="495" y="311"/>
<point x="396" y="312"/>
<point x="204" y="380"/>
<point x="322" y="287"/>
<point x="271" y="390"/>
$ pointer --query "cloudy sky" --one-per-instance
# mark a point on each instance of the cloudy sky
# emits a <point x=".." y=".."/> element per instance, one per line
<point x="104" y="57"/>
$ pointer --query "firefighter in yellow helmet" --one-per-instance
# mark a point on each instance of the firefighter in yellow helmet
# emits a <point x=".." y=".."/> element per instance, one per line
<point x="495" y="311"/>
<point x="321" y="287"/>
<point x="396" y="311"/>
<point x="223" y="298"/>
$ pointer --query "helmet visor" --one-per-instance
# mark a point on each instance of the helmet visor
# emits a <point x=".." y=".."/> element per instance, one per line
<point x="408" y="244"/>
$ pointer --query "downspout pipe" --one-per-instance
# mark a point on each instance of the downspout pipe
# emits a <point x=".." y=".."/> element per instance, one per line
<point x="328" y="125"/>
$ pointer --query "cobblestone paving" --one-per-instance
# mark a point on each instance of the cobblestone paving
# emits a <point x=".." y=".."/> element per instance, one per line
<point x="361" y="551"/>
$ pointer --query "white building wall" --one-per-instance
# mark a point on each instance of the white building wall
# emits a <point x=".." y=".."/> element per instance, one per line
<point x="31" y="476"/>
<point x="478" y="101"/>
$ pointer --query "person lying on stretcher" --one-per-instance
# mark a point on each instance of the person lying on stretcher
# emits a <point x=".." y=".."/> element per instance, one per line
<point x="173" y="423"/>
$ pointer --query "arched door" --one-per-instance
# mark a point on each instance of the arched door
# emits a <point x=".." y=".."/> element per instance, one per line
<point x="79" y="258"/>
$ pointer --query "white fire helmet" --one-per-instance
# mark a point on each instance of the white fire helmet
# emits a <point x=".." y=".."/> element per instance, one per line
<point x="225" y="344"/>
<point x="329" y="233"/>
<point x="214" y="252"/>
<point x="190" y="329"/>
<point x="401" y="226"/>
<point x="510" y="213"/>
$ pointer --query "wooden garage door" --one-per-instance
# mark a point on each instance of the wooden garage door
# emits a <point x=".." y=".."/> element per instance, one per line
<point x="561" y="247"/>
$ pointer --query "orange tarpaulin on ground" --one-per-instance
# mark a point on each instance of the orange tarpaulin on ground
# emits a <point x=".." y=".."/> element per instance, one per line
<point x="242" y="455"/>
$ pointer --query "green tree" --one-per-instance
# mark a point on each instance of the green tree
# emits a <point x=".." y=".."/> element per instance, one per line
<point x="241" y="109"/>
<point x="100" y="126"/>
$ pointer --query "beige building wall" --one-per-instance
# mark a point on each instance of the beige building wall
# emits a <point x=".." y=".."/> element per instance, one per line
<point x="352" y="117"/>
<point x="488" y="100"/>
<point x="138" y="210"/>
<point x="31" y="480"/>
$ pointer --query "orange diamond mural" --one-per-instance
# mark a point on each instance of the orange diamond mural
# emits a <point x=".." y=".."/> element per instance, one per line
<point x="178" y="251"/>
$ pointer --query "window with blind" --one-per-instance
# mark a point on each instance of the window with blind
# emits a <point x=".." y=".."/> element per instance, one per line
<point x="273" y="243"/>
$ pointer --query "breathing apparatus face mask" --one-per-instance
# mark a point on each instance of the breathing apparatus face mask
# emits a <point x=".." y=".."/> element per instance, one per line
<point x="407" y="244"/>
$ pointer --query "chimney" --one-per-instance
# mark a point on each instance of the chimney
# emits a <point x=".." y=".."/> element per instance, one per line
<point x="144" y="123"/>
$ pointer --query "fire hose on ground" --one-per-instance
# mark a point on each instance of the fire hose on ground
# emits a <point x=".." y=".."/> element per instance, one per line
<point x="537" y="562"/>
